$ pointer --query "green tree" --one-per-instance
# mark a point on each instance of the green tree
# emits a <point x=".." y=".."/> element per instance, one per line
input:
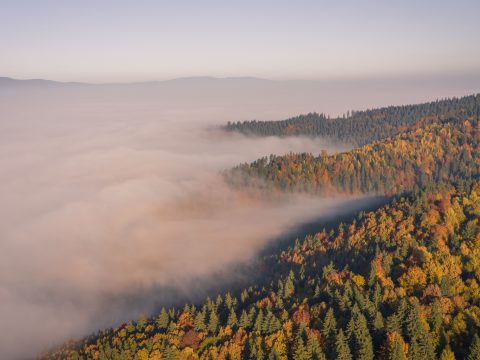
<point x="397" y="352"/>
<point x="213" y="322"/>
<point x="244" y="320"/>
<point x="199" y="323"/>
<point x="341" y="347"/>
<point x="329" y="331"/>
<point x="474" y="350"/>
<point x="232" y="318"/>
<point x="163" y="320"/>
<point x="421" y="347"/>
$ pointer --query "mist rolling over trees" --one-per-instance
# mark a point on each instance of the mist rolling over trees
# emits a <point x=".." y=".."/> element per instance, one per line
<point x="108" y="196"/>
<point x="397" y="282"/>
<point x="241" y="180"/>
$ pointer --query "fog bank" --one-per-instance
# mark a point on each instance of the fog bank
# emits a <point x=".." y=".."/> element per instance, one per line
<point x="107" y="196"/>
<point x="112" y="200"/>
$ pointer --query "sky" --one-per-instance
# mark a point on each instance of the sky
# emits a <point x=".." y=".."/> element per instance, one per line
<point x="124" y="41"/>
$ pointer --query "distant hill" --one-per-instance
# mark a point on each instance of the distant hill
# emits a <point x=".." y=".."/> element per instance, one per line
<point x="243" y="98"/>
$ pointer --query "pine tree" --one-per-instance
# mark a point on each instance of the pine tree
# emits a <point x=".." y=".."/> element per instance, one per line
<point x="341" y="347"/>
<point x="199" y="323"/>
<point x="314" y="349"/>
<point x="259" y="353"/>
<point x="474" y="350"/>
<point x="289" y="288"/>
<point x="329" y="331"/>
<point x="244" y="296"/>
<point x="435" y="322"/>
<point x="397" y="352"/>
<point x="300" y="352"/>
<point x="259" y="322"/>
<point x="359" y="336"/>
<point x="141" y="322"/>
<point x="228" y="300"/>
<point x="162" y="320"/>
<point x="213" y="322"/>
<point x="232" y="318"/>
<point x="244" y="320"/>
<point x="421" y="347"/>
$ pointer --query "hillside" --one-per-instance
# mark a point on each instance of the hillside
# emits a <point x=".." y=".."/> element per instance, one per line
<point x="362" y="127"/>
<point x="443" y="151"/>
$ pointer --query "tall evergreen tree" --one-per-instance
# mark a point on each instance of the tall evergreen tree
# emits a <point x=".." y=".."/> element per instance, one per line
<point x="474" y="349"/>
<point x="213" y="322"/>
<point x="163" y="319"/>
<point x="421" y="347"/>
<point x="329" y="331"/>
<point x="342" y="349"/>
<point x="199" y="323"/>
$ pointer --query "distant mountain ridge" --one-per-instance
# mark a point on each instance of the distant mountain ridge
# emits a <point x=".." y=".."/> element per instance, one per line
<point x="5" y="80"/>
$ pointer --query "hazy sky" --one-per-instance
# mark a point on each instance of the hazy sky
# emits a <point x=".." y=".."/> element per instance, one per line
<point x="116" y="40"/>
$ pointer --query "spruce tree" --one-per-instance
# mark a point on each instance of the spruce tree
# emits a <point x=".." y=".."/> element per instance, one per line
<point x="232" y="318"/>
<point x="342" y="350"/>
<point x="244" y="320"/>
<point x="213" y="322"/>
<point x="259" y="322"/>
<point x="474" y="350"/>
<point x="289" y="288"/>
<point x="329" y="331"/>
<point x="162" y="320"/>
<point x="314" y="350"/>
<point x="421" y="347"/>
<point x="435" y="322"/>
<point x="300" y="352"/>
<point x="397" y="352"/>
<point x="199" y="324"/>
<point x="359" y="336"/>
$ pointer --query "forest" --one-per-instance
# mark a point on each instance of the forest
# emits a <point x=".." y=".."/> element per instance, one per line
<point x="398" y="282"/>
<point x="361" y="127"/>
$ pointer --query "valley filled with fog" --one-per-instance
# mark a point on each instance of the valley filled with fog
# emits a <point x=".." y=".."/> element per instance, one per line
<point x="110" y="192"/>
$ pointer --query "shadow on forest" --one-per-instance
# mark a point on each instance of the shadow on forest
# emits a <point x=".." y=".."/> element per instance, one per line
<point x="344" y="213"/>
<point x="149" y="301"/>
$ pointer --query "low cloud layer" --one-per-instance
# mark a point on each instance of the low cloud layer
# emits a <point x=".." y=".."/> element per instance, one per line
<point x="111" y="199"/>
<point x="106" y="198"/>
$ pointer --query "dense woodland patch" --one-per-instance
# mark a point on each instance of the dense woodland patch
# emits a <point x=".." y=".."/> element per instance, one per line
<point x="362" y="127"/>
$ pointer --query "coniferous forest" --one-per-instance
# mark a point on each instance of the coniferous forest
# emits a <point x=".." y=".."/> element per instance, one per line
<point x="398" y="282"/>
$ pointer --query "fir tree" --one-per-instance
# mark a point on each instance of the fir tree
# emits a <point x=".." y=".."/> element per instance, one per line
<point x="397" y="352"/>
<point x="162" y="320"/>
<point x="435" y="322"/>
<point x="213" y="322"/>
<point x="199" y="324"/>
<point x="421" y="347"/>
<point x="314" y="350"/>
<point x="329" y="330"/>
<point x="300" y="352"/>
<point x="244" y="320"/>
<point x="474" y="350"/>
<point x="342" y="350"/>
<point x="232" y="318"/>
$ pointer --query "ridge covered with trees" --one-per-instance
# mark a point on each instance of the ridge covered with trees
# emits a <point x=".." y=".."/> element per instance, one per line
<point x="443" y="151"/>
<point x="362" y="127"/>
